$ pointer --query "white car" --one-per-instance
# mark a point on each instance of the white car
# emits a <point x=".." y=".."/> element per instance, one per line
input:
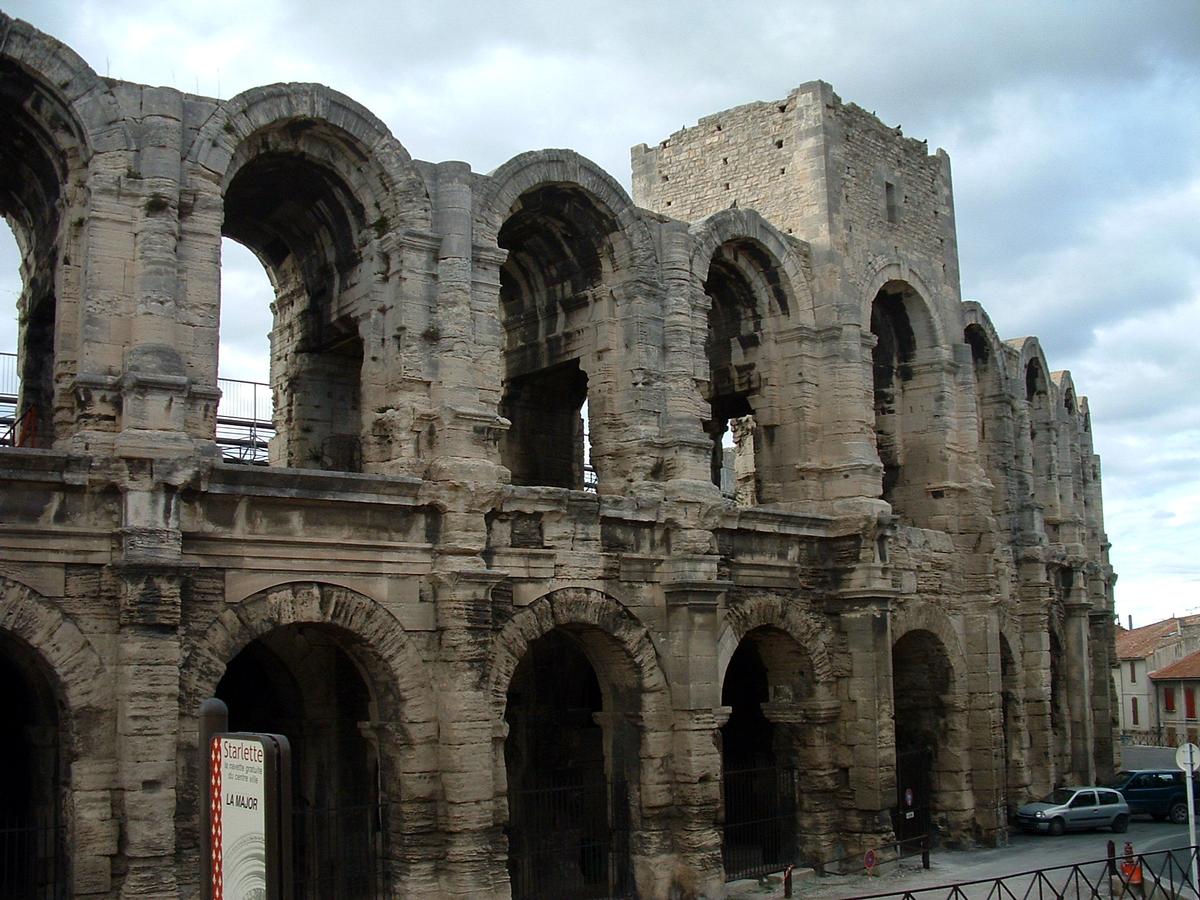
<point x="1076" y="809"/>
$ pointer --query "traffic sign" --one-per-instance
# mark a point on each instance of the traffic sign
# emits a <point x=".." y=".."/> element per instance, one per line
<point x="869" y="860"/>
<point x="1188" y="757"/>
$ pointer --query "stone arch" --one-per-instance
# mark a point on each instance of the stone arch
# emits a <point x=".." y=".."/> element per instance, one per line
<point x="631" y="654"/>
<point x="56" y="113"/>
<point x="80" y="689"/>
<point x="351" y="133"/>
<point x="908" y="379"/>
<point x="977" y="321"/>
<point x="928" y="329"/>
<point x="404" y="725"/>
<point x="580" y="268"/>
<point x="322" y="194"/>
<point x="636" y="702"/>
<point x="782" y="253"/>
<point x="753" y="289"/>
<point x="923" y="616"/>
<point x="772" y="611"/>
<point x="527" y="171"/>
<point x="941" y="768"/>
<point x="778" y="715"/>
<point x="54" y="63"/>
<point x="78" y="674"/>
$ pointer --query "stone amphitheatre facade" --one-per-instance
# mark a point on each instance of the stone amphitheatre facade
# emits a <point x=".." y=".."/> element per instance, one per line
<point x="502" y="676"/>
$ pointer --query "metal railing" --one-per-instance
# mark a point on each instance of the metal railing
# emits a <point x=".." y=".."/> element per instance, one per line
<point x="570" y="841"/>
<point x="760" y="820"/>
<point x="31" y="862"/>
<point x="1165" y="874"/>
<point x="244" y="420"/>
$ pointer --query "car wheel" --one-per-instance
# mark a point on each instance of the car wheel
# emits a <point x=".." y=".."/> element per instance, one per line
<point x="1178" y="813"/>
<point x="1120" y="824"/>
<point x="1057" y="826"/>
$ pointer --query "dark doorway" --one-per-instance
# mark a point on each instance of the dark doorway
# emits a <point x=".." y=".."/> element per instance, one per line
<point x="568" y="823"/>
<point x="299" y="681"/>
<point x="921" y="680"/>
<point x="758" y="787"/>
<point x="31" y="826"/>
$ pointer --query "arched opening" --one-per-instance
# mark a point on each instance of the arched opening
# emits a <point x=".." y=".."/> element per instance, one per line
<point x="32" y="829"/>
<point x="1042" y="441"/>
<point x="306" y="226"/>
<point x="303" y="682"/>
<point x="981" y="356"/>
<point x="744" y="287"/>
<point x="11" y="287"/>
<point x="39" y="147"/>
<point x="555" y="294"/>
<point x="569" y="752"/>
<point x="922" y="679"/>
<point x="764" y="754"/>
<point x="245" y="417"/>
<point x="892" y="366"/>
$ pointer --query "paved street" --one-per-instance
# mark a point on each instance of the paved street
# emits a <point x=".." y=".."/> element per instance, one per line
<point x="1024" y="853"/>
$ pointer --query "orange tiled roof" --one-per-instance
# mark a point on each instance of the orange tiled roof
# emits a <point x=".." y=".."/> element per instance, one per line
<point x="1188" y="667"/>
<point x="1139" y="643"/>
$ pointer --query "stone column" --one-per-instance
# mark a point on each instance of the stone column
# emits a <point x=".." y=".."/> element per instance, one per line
<point x="1100" y="642"/>
<point x="148" y="659"/>
<point x="806" y="736"/>
<point x="695" y="693"/>
<point x="154" y="382"/>
<point x="1079" y="685"/>
<point x="466" y="722"/>
<point x="985" y="726"/>
<point x="868" y="745"/>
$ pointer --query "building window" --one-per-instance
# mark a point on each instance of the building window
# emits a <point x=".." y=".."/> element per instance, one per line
<point x="1189" y="702"/>
<point x="1133" y="707"/>
<point x="1133" y="671"/>
<point x="889" y="194"/>
<point x="1169" y="699"/>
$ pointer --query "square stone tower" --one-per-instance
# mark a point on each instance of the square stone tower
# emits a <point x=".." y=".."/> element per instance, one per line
<point x="827" y="172"/>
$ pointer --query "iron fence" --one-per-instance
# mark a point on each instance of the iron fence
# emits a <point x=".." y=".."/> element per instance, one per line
<point x="31" y="861"/>
<point x="1165" y="874"/>
<point x="570" y="841"/>
<point x="336" y="853"/>
<point x="760" y="820"/>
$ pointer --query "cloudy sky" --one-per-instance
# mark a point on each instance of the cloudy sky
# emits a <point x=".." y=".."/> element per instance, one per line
<point x="1073" y="127"/>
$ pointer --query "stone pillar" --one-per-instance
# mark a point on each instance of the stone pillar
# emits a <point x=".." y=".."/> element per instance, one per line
<point x="985" y="727"/>
<point x="465" y="737"/>
<point x="1079" y="685"/>
<point x="695" y="693"/>
<point x="689" y="450"/>
<point x="1035" y="635"/>
<point x="868" y="745"/>
<point x="148" y="659"/>
<point x="806" y="737"/>
<point x="1100" y="642"/>
<point x="154" y="382"/>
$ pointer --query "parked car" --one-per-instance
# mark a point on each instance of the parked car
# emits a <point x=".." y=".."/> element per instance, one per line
<point x="1076" y="809"/>
<point x="1161" y="793"/>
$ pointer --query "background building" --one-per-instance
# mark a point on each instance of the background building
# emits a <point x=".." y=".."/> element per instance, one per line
<point x="498" y="682"/>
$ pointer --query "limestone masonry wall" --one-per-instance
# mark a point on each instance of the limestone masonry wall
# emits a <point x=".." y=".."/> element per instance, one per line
<point x="603" y="546"/>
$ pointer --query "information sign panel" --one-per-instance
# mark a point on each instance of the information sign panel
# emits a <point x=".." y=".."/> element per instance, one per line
<point x="248" y="811"/>
<point x="239" y="817"/>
